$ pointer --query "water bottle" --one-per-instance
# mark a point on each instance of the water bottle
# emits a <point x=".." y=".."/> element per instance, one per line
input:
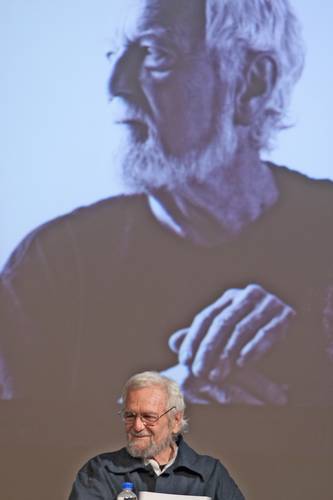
<point x="127" y="492"/>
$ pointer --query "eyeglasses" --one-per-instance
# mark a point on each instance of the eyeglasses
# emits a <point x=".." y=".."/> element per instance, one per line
<point x="129" y="417"/>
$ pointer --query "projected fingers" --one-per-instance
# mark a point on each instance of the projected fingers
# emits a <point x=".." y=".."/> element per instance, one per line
<point x="233" y="333"/>
<point x="247" y="386"/>
<point x="197" y="333"/>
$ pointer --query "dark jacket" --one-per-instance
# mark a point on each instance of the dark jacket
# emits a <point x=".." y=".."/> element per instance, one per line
<point x="190" y="474"/>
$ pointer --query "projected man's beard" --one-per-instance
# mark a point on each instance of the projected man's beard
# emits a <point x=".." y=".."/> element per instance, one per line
<point x="151" y="450"/>
<point x="146" y="167"/>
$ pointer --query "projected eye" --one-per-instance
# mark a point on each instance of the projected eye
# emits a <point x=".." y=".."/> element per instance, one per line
<point x="157" y="59"/>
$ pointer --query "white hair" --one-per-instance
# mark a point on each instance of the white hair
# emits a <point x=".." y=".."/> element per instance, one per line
<point x="237" y="29"/>
<point x="174" y="395"/>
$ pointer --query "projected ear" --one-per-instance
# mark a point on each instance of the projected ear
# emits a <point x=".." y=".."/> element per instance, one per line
<point x="255" y="89"/>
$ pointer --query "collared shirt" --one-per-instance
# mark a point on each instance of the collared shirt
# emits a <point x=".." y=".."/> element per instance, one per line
<point x="158" y="469"/>
<point x="190" y="474"/>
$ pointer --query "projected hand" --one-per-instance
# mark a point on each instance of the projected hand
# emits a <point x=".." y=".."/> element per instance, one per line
<point x="246" y="386"/>
<point x="230" y="336"/>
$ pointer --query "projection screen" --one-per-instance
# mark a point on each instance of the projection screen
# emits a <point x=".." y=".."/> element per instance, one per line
<point x="92" y="295"/>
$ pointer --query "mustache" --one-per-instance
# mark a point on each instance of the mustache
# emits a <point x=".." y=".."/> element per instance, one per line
<point x="139" y="434"/>
<point x="127" y="111"/>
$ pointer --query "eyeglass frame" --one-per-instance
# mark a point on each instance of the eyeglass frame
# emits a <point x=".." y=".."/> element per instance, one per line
<point x="142" y="418"/>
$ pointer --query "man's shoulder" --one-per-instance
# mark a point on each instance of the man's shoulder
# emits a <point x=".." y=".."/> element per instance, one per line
<point x="100" y="214"/>
<point x="305" y="206"/>
<point x="86" y="228"/>
<point x="304" y="189"/>
<point x="201" y="463"/>
<point x="109" y="459"/>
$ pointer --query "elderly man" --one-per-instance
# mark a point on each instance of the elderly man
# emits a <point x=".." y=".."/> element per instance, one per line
<point x="220" y="252"/>
<point x="156" y="457"/>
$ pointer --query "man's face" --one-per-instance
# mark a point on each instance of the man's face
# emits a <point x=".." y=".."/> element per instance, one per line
<point x="164" y="87"/>
<point x="149" y="440"/>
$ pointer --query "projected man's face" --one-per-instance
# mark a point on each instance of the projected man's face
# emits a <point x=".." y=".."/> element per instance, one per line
<point x="163" y="70"/>
<point x="164" y="89"/>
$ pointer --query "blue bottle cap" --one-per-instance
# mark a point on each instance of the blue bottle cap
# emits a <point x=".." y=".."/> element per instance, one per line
<point x="127" y="486"/>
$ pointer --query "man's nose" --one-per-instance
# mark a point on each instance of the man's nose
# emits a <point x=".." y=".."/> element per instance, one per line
<point x="138" y="425"/>
<point x="125" y="72"/>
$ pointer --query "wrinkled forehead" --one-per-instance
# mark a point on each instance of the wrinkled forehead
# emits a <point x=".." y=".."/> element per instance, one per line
<point x="177" y="19"/>
<point x="151" y="397"/>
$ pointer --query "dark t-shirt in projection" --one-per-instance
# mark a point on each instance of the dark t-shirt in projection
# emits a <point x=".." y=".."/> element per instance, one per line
<point x="93" y="296"/>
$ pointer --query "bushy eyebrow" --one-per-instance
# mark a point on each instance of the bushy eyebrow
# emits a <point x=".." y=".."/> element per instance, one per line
<point x="159" y="31"/>
<point x="167" y="35"/>
<point x="130" y="412"/>
<point x="172" y="37"/>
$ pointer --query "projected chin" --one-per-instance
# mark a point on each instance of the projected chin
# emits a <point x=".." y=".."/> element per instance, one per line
<point x="146" y="166"/>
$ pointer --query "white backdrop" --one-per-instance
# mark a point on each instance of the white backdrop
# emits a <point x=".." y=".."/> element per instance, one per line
<point x="55" y="132"/>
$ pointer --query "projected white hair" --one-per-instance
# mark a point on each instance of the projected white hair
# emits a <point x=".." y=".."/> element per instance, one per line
<point x="237" y="29"/>
<point x="174" y="395"/>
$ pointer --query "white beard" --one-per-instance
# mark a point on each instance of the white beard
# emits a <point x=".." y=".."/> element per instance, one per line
<point x="146" y="168"/>
<point x="151" y="450"/>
